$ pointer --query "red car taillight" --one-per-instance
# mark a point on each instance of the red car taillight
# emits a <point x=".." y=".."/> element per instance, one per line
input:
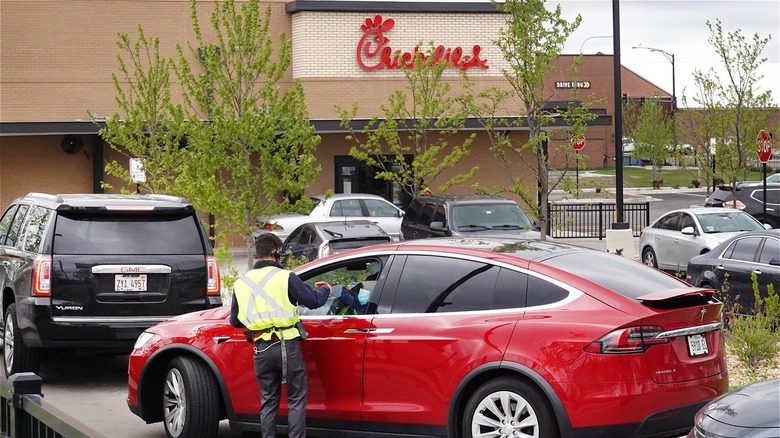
<point x="627" y="340"/>
<point x="41" y="276"/>
<point x="269" y="226"/>
<point x="212" y="286"/>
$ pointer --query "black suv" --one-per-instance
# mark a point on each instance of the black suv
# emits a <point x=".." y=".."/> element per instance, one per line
<point x="465" y="215"/>
<point x="95" y="270"/>
<point x="750" y="198"/>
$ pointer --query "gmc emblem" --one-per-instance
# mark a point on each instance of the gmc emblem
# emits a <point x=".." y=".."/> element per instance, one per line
<point x="132" y="269"/>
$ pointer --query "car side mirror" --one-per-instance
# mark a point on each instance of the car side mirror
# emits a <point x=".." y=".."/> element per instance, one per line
<point x="438" y="226"/>
<point x="689" y="231"/>
<point x="767" y="227"/>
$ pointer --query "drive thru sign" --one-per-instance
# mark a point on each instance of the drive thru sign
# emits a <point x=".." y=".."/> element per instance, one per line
<point x="763" y="142"/>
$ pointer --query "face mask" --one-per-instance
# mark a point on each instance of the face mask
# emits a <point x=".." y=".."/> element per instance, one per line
<point x="363" y="296"/>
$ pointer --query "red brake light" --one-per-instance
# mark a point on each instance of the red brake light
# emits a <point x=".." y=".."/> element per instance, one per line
<point x="41" y="276"/>
<point x="270" y="226"/>
<point x="627" y="340"/>
<point x="213" y="284"/>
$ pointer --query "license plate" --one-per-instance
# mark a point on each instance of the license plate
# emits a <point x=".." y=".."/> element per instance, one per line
<point x="130" y="283"/>
<point x="697" y="345"/>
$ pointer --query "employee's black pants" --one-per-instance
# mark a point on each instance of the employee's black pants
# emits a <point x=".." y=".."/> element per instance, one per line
<point x="268" y="370"/>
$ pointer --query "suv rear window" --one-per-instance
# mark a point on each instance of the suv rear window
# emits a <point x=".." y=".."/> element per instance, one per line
<point x="155" y="234"/>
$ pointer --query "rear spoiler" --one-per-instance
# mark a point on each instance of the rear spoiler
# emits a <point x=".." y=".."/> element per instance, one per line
<point x="675" y="293"/>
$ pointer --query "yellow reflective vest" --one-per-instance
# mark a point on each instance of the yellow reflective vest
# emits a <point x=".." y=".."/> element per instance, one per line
<point x="264" y="304"/>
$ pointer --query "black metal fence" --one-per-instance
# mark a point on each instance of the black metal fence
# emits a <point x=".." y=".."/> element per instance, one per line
<point x="591" y="219"/>
<point x="25" y="414"/>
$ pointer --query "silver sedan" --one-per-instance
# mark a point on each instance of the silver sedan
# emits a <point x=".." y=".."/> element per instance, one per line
<point x="677" y="236"/>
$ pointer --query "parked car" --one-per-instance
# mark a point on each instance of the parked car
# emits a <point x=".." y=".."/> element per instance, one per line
<point x="461" y="337"/>
<point x="338" y="207"/>
<point x="738" y="257"/>
<point x="773" y="178"/>
<point x="676" y="237"/>
<point x="318" y="239"/>
<point x="93" y="271"/>
<point x="750" y="199"/>
<point x="465" y="215"/>
<point x="752" y="411"/>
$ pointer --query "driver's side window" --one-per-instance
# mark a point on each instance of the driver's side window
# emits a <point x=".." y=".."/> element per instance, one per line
<point x="357" y="277"/>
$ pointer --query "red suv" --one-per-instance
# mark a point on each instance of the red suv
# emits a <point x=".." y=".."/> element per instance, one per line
<point x="462" y="337"/>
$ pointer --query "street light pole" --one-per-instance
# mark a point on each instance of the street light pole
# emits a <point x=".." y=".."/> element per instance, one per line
<point x="590" y="38"/>
<point x="669" y="57"/>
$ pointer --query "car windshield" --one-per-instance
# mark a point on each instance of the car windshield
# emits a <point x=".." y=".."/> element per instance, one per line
<point x="480" y="217"/>
<point x="730" y="222"/>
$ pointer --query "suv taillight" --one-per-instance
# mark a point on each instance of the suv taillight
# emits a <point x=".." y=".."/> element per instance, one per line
<point x="627" y="340"/>
<point x="212" y="286"/>
<point x="41" y="276"/>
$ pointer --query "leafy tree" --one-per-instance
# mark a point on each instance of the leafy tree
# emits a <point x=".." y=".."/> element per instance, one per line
<point x="651" y="129"/>
<point x="148" y="126"/>
<point x="532" y="40"/>
<point x="250" y="143"/>
<point x="410" y="144"/>
<point x="735" y="109"/>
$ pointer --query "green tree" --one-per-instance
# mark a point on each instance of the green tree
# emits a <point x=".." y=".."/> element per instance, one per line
<point x="651" y="128"/>
<point x="410" y="144"/>
<point x="148" y="125"/>
<point x="531" y="42"/>
<point x="735" y="108"/>
<point x="250" y="143"/>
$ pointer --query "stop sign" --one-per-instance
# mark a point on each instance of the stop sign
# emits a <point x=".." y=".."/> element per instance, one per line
<point x="763" y="142"/>
<point x="578" y="142"/>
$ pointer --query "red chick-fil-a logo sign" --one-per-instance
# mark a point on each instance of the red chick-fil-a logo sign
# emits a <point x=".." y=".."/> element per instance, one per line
<point x="374" y="52"/>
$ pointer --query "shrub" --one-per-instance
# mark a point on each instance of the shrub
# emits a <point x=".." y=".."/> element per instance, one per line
<point x="754" y="336"/>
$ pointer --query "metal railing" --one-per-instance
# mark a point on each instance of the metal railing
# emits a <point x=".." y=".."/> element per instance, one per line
<point x="25" y="414"/>
<point x="593" y="219"/>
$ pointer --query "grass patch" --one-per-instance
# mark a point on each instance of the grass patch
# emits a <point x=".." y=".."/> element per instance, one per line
<point x="634" y="176"/>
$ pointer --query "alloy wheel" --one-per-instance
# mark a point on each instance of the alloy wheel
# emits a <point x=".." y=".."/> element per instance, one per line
<point x="174" y="402"/>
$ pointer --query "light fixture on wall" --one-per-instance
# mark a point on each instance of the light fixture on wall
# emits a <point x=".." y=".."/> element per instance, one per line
<point x="72" y="144"/>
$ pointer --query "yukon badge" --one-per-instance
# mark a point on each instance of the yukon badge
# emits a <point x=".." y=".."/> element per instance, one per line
<point x="73" y="308"/>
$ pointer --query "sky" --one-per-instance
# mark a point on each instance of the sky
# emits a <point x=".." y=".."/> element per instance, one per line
<point x="677" y="27"/>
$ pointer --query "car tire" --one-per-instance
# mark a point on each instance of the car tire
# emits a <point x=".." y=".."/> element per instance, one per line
<point x="649" y="258"/>
<point x="530" y="413"/>
<point x="190" y="400"/>
<point x="17" y="356"/>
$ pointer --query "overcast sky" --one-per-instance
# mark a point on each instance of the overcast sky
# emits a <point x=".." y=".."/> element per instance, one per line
<point x="678" y="27"/>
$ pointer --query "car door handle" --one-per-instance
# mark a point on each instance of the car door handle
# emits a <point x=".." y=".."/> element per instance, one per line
<point x="757" y="272"/>
<point x="368" y="330"/>
<point x="720" y="267"/>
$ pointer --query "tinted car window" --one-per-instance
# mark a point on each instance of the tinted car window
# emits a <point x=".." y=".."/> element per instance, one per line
<point x="426" y="214"/>
<point x="34" y="228"/>
<point x="686" y="221"/>
<point x="745" y="249"/>
<point x="440" y="214"/>
<point x="115" y="234"/>
<point x="668" y="222"/>
<point x="12" y="239"/>
<point x="771" y="250"/>
<point x="614" y="272"/>
<point x="510" y="290"/>
<point x="5" y="224"/>
<point x="541" y="292"/>
<point x="441" y="284"/>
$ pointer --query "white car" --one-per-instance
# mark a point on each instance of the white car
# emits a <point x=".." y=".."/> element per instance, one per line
<point x="338" y="207"/>
<point x="773" y="178"/>
<point x="679" y="235"/>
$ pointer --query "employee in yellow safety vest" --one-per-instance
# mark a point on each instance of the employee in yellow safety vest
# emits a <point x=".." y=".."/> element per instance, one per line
<point x="265" y="302"/>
